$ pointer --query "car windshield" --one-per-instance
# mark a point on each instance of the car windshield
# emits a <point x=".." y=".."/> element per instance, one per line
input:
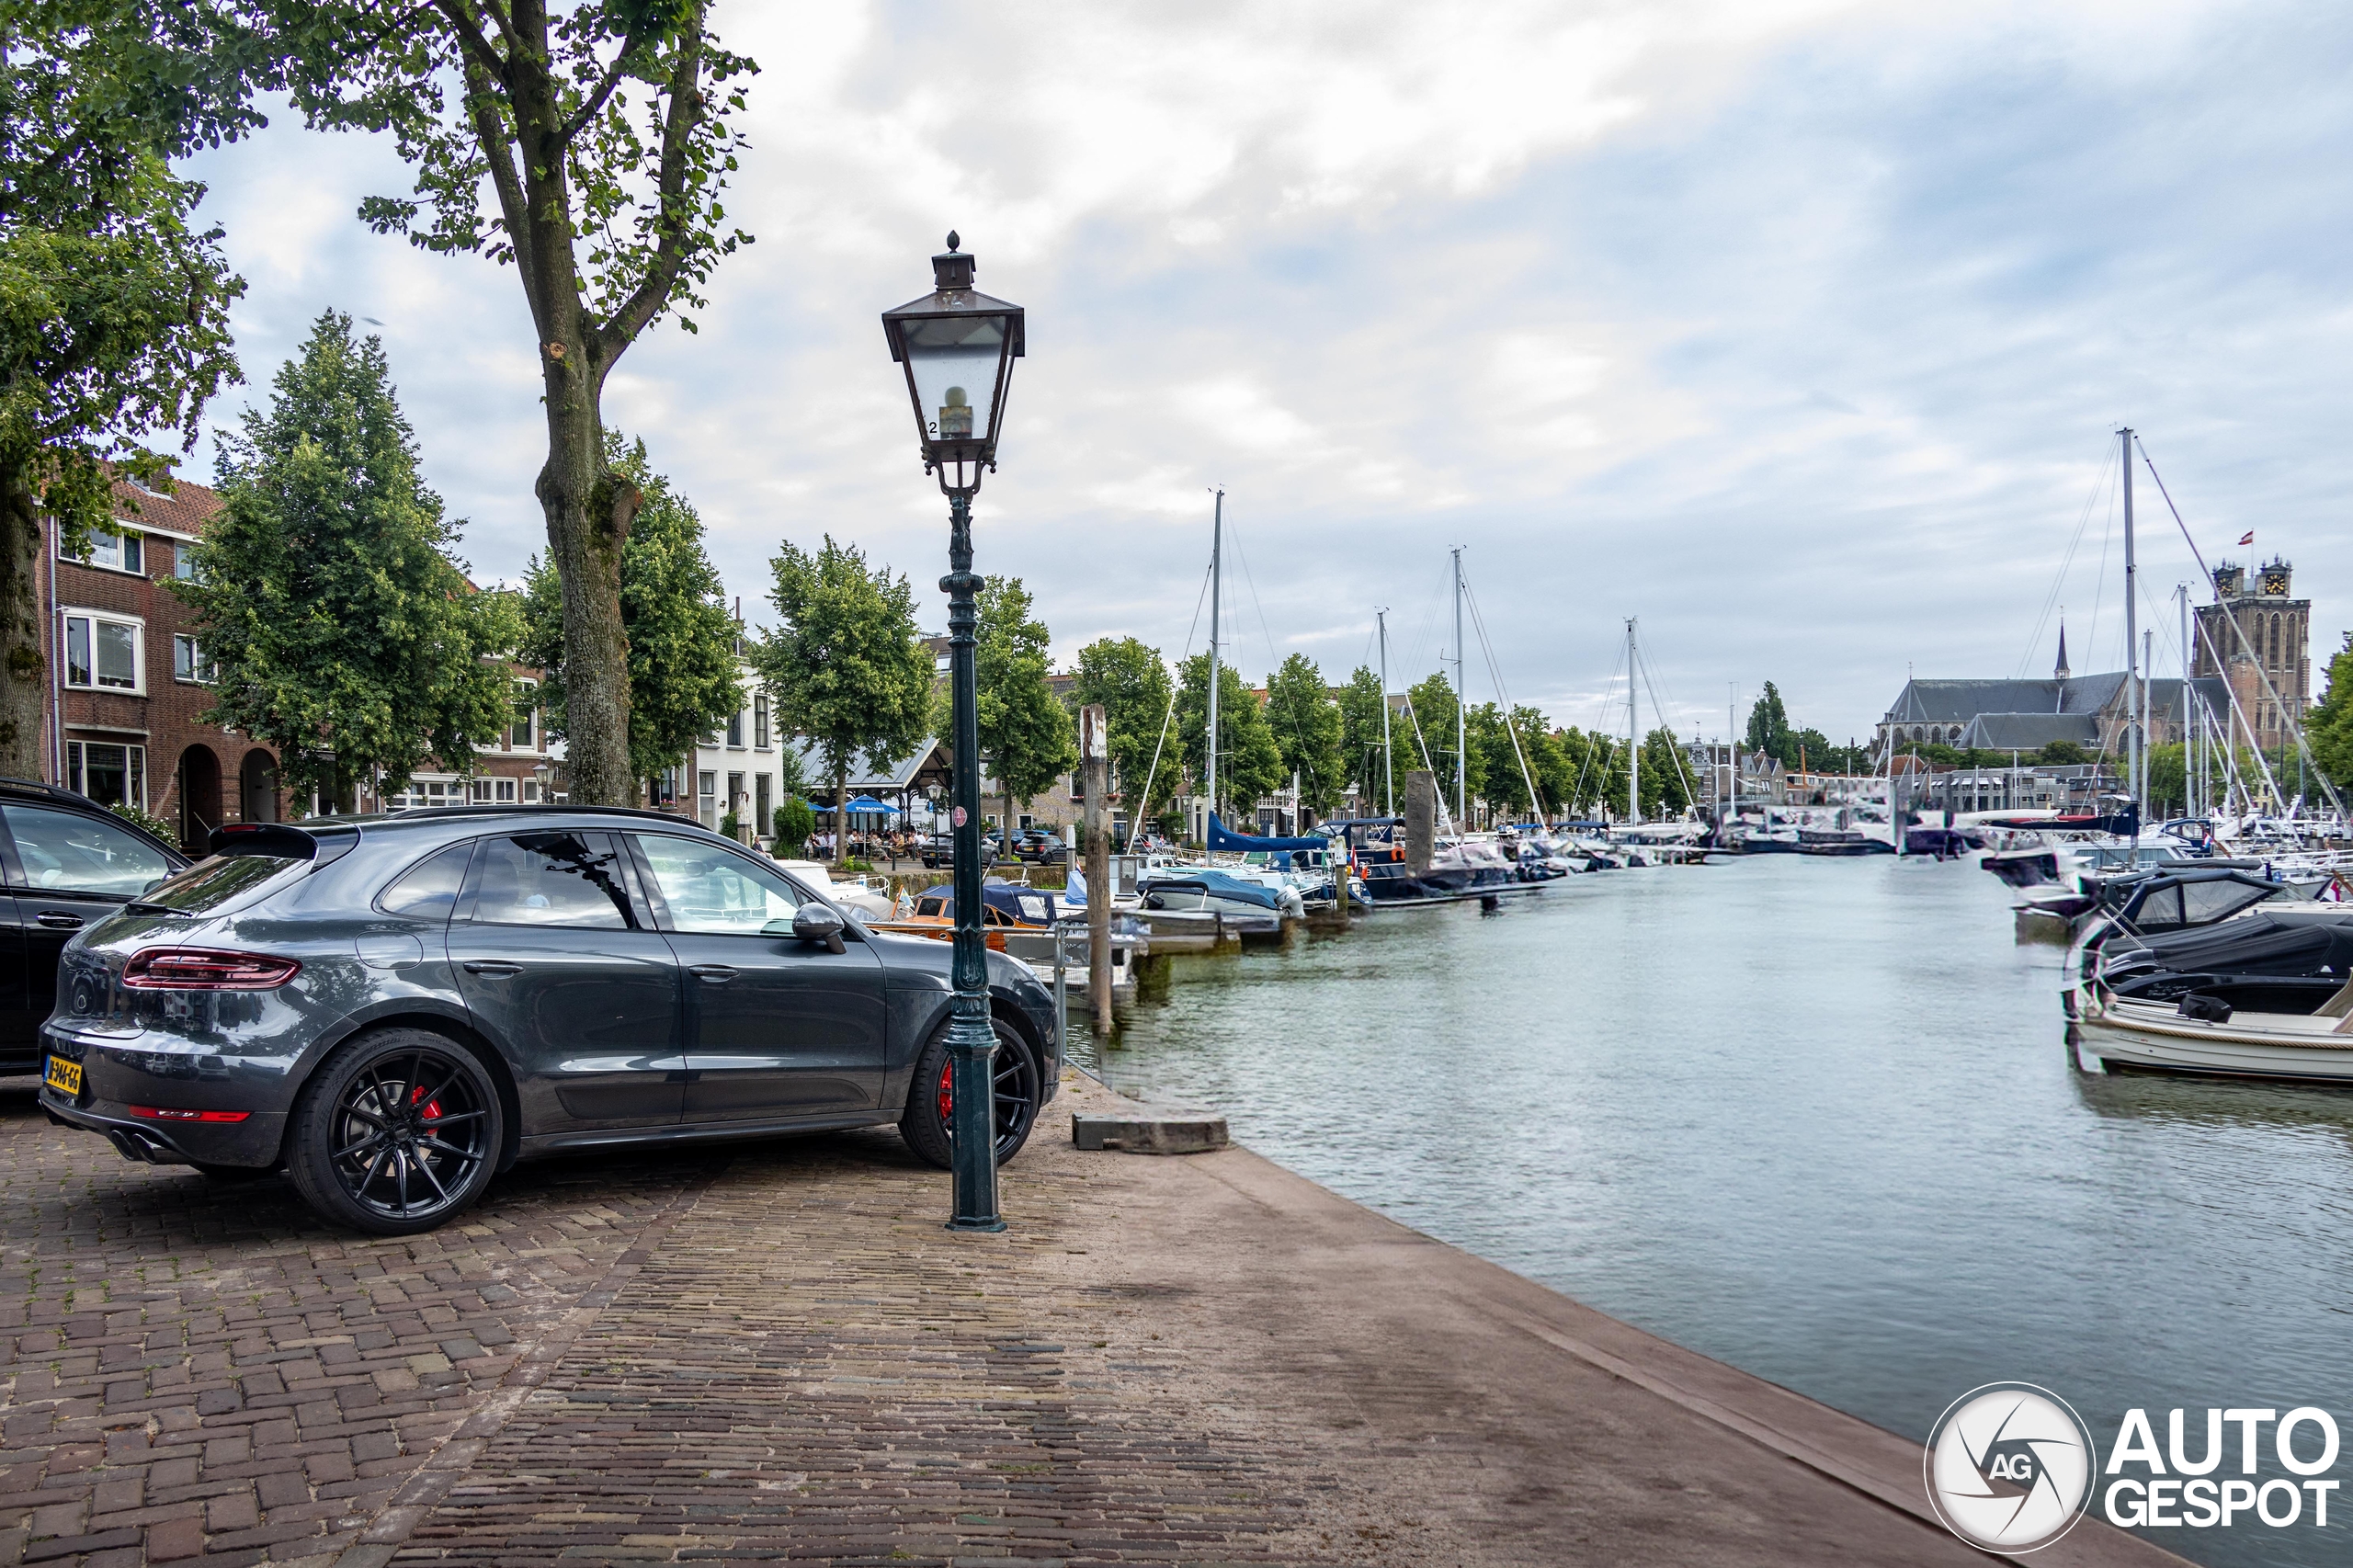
<point x="210" y="884"/>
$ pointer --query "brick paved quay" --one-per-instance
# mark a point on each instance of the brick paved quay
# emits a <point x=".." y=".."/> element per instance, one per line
<point x="772" y="1352"/>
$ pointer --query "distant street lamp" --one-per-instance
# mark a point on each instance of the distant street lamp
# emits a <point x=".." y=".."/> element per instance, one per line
<point x="958" y="346"/>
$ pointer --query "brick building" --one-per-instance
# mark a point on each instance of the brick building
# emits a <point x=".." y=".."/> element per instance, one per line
<point x="127" y="676"/>
<point x="127" y="683"/>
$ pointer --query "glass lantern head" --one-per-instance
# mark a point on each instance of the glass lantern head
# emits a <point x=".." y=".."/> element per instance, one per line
<point x="957" y="346"/>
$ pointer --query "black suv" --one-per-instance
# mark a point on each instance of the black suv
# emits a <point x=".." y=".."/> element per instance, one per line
<point x="394" y="1009"/>
<point x="939" y="850"/>
<point x="70" y="863"/>
<point x="1041" y="846"/>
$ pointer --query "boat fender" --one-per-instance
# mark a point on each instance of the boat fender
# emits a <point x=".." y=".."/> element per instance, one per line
<point x="2206" y="1009"/>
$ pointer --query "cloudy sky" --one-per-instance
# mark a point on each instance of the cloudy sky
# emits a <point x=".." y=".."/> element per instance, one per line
<point x="1798" y="329"/>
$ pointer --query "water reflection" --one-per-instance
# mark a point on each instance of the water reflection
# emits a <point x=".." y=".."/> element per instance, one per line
<point x="1815" y="1118"/>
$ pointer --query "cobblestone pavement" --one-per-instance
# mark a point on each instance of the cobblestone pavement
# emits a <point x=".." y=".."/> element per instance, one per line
<point x="773" y="1352"/>
<point x="194" y="1367"/>
<point x="766" y="1351"/>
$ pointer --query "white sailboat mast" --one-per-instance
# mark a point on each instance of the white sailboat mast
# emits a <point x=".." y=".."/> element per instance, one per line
<point x="1217" y="546"/>
<point x="1388" y="758"/>
<point x="1462" y="701"/>
<point x="1634" y="737"/>
<point x="2134" y="781"/>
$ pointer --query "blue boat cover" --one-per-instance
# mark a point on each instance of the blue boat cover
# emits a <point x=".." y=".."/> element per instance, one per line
<point x="1219" y="882"/>
<point x="1225" y="841"/>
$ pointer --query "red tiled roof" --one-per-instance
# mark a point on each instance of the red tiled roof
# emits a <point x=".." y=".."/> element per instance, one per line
<point x="185" y="510"/>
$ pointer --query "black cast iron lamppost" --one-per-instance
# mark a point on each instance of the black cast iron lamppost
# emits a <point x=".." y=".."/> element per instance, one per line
<point x="958" y="346"/>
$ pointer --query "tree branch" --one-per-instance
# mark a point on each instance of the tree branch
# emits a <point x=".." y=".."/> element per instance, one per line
<point x="514" y="207"/>
<point x="470" y="41"/>
<point x="596" y="100"/>
<point x="677" y="137"/>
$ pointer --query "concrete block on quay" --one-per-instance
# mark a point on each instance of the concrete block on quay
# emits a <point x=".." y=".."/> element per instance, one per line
<point x="1125" y="1126"/>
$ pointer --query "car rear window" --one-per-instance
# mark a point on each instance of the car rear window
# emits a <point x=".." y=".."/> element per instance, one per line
<point x="211" y="882"/>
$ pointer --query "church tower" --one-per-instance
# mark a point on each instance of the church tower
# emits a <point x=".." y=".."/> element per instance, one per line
<point x="2062" y="673"/>
<point x="2255" y="635"/>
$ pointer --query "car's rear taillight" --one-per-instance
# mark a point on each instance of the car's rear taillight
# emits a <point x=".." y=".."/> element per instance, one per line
<point x="167" y="1113"/>
<point x="205" y="969"/>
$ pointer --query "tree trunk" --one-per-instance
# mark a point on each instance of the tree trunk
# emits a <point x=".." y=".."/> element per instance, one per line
<point x="841" y="816"/>
<point x="589" y="509"/>
<point x="24" y="686"/>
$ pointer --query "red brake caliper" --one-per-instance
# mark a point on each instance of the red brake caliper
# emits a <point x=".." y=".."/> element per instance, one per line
<point x="433" y="1110"/>
<point x="947" y="1093"/>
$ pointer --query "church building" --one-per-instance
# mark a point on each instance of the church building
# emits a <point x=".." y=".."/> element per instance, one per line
<point x="2024" y="716"/>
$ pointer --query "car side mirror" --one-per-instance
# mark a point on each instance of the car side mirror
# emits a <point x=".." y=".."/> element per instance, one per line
<point x="816" y="923"/>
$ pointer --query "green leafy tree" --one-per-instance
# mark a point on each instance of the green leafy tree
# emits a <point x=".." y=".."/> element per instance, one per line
<point x="344" y="635"/>
<point x="1026" y="733"/>
<point x="1249" y="764"/>
<point x="794" y="822"/>
<point x="683" y="674"/>
<point x="1498" y="747"/>
<point x="114" y="300"/>
<point x="1769" y="728"/>
<point x="1127" y="679"/>
<point x="1666" y="781"/>
<point x="2329" y="729"/>
<point x="1362" y="758"/>
<point x="1306" y="727"/>
<point x="2062" y="754"/>
<point x="845" y="665"/>
<point x="587" y="147"/>
<point x="1431" y="703"/>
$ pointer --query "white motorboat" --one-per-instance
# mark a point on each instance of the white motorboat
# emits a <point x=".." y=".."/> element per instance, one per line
<point x="868" y="897"/>
<point x="2162" y="1037"/>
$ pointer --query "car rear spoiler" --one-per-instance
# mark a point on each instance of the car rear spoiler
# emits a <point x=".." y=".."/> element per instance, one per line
<point x="284" y="841"/>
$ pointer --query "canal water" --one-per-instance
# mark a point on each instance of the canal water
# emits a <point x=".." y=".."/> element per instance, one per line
<point x="1813" y="1117"/>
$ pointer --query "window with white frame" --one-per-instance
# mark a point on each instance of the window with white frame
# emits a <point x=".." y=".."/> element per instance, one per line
<point x="102" y="652"/>
<point x="706" y="788"/>
<point x="184" y="562"/>
<point x="522" y="734"/>
<point x="531" y="791"/>
<point x="428" y="792"/>
<point x="760" y="720"/>
<point x="123" y="551"/>
<point x="188" y="660"/>
<point x="736" y="730"/>
<point x="110" y="773"/>
<point x="494" y="792"/>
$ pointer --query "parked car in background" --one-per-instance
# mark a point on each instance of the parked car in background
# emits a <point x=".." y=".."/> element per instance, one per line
<point x="392" y="1010"/>
<point x="1039" y="846"/>
<point x="70" y="863"/>
<point x="939" y="849"/>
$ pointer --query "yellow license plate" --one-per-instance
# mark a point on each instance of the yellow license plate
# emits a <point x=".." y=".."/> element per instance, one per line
<point x="63" y="1075"/>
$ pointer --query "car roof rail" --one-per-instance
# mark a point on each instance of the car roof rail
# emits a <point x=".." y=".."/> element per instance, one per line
<point x="48" y="792"/>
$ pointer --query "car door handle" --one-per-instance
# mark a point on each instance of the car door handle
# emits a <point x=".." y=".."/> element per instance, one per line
<point x="491" y="966"/>
<point x="713" y="974"/>
<point x="58" y="920"/>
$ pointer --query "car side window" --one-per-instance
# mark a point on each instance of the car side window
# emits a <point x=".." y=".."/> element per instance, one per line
<point x="713" y="891"/>
<point x="428" y="890"/>
<point x="67" y="852"/>
<point x="551" y="878"/>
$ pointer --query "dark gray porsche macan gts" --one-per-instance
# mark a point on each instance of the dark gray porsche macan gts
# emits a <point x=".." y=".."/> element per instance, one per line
<point x="394" y="1009"/>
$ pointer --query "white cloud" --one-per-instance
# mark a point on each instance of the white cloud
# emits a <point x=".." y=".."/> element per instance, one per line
<point x="1792" y="328"/>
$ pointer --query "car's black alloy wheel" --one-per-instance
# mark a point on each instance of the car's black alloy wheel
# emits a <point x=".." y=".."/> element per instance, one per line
<point x="396" y="1132"/>
<point x="931" y="1104"/>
